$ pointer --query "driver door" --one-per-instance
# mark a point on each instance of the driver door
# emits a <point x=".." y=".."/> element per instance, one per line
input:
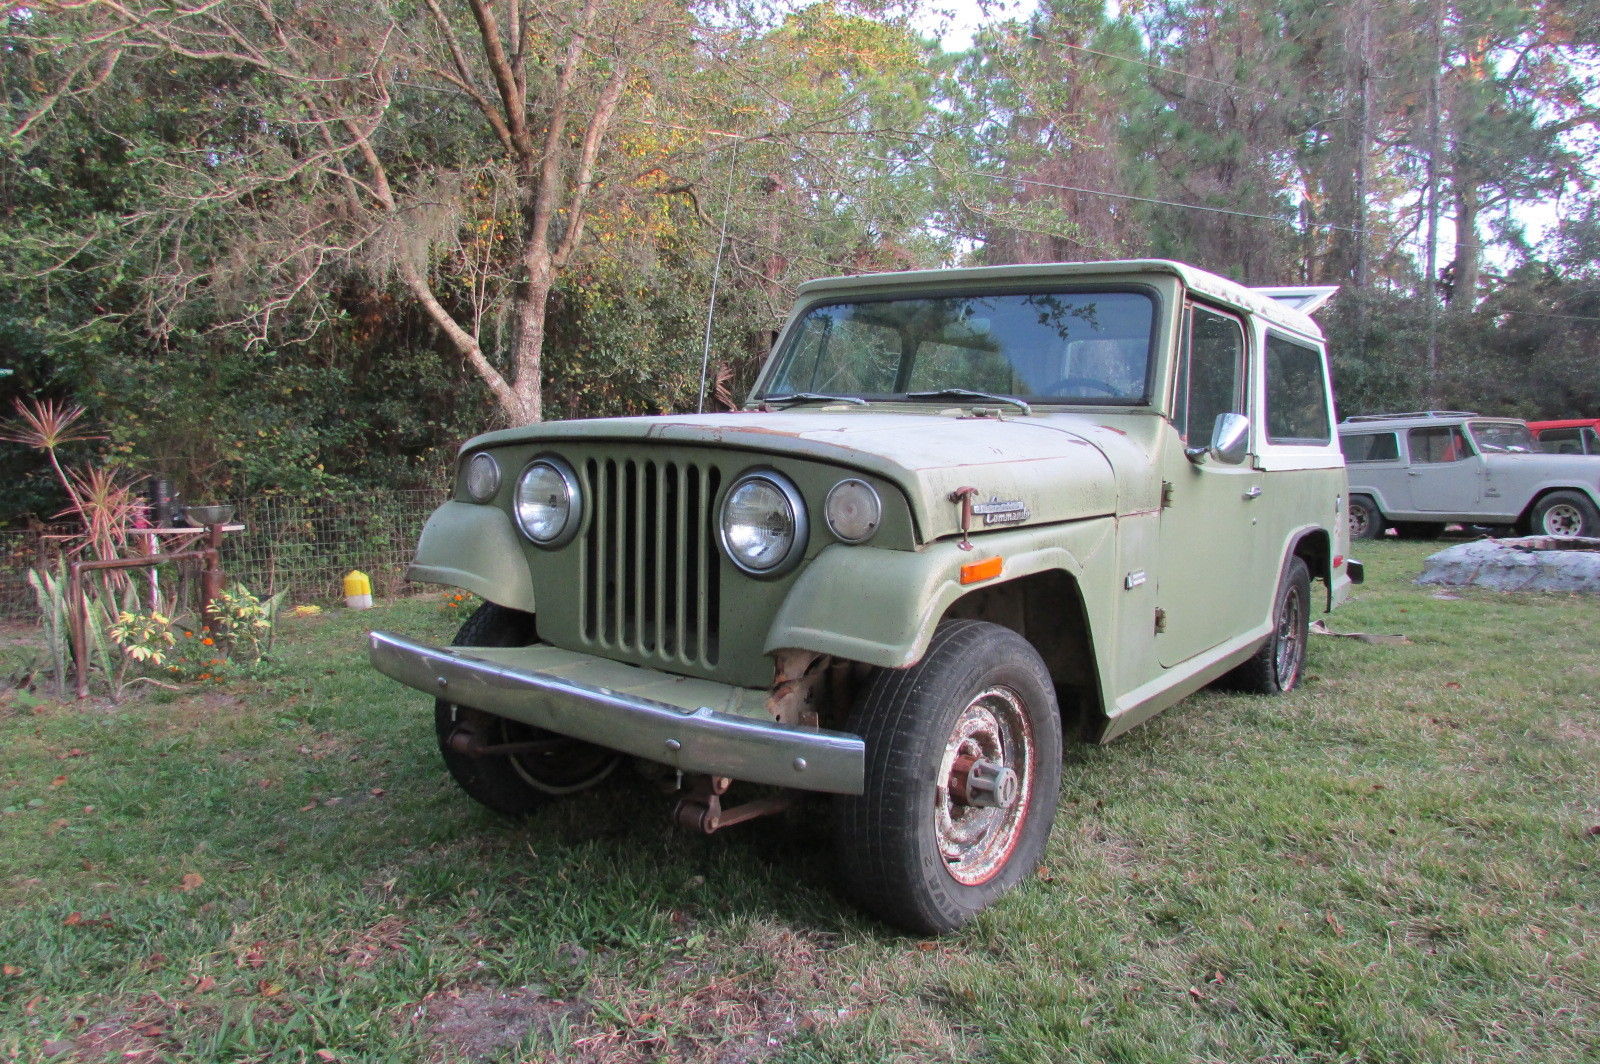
<point x="1208" y="533"/>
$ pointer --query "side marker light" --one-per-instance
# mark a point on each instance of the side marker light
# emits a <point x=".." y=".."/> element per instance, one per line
<point x="987" y="569"/>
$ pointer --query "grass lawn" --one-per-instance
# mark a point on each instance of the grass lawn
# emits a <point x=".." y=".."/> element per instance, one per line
<point x="1398" y="862"/>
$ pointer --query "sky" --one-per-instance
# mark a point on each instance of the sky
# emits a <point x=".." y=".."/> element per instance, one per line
<point x="956" y="20"/>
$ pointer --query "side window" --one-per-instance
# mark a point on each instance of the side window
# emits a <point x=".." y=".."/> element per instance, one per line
<point x="1561" y="441"/>
<point x="1297" y="399"/>
<point x="1370" y="447"/>
<point x="1210" y="374"/>
<point x="1446" y="443"/>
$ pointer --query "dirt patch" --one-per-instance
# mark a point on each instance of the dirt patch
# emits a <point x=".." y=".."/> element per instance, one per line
<point x="139" y="1035"/>
<point x="739" y="1010"/>
<point x="478" y="1023"/>
<point x="1572" y="729"/>
<point x="741" y="1007"/>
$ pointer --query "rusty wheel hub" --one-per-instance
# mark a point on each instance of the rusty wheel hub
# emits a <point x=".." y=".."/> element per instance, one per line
<point x="984" y="790"/>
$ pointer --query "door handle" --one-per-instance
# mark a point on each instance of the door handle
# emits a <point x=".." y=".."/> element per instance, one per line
<point x="1254" y="492"/>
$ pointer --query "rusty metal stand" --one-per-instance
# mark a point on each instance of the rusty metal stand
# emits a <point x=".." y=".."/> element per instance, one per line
<point x="78" y="605"/>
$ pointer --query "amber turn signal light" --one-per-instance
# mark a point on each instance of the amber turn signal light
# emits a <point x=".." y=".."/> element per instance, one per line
<point x="987" y="569"/>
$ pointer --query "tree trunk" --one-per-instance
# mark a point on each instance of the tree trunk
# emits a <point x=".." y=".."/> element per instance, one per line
<point x="1469" y="249"/>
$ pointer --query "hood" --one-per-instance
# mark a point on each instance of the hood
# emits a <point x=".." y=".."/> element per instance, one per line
<point x="1027" y="470"/>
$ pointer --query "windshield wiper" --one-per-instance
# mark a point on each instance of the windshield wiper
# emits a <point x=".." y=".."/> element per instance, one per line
<point x="967" y="393"/>
<point x="811" y="397"/>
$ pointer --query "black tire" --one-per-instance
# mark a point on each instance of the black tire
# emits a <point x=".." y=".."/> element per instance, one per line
<point x="1365" y="520"/>
<point x="920" y="849"/>
<point x="1281" y="661"/>
<point x="1565" y="513"/>
<point x="514" y="784"/>
<point x="1419" y="529"/>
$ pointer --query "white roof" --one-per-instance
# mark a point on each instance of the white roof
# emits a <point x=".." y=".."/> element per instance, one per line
<point x="1281" y="306"/>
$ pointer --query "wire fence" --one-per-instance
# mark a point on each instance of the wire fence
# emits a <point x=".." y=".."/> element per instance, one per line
<point x="304" y="546"/>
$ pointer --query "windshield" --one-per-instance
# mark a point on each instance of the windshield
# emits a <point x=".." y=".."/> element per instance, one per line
<point x="1065" y="347"/>
<point x="1502" y="436"/>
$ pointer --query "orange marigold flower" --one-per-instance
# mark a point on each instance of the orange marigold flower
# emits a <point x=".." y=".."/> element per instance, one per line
<point x="188" y="635"/>
<point x="205" y="676"/>
<point x="208" y="641"/>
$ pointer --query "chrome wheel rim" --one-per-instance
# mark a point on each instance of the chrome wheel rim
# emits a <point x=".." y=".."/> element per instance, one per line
<point x="985" y="786"/>
<point x="1563" y="519"/>
<point x="1290" y="642"/>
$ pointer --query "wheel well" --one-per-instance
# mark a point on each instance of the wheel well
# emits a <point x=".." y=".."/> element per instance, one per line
<point x="1525" y="519"/>
<point x="1315" y="548"/>
<point x="1047" y="610"/>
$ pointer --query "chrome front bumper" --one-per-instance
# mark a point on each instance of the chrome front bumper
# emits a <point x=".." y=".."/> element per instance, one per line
<point x="693" y="739"/>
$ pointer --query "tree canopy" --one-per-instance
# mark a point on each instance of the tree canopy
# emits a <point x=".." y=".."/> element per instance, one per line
<point x="280" y="245"/>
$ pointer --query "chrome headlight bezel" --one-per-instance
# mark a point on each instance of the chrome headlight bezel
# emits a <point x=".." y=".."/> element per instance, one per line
<point x="799" y="525"/>
<point x="834" y="521"/>
<point x="574" y="499"/>
<point x="480" y="477"/>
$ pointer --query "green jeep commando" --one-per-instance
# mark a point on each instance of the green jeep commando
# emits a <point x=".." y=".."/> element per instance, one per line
<point x="964" y="514"/>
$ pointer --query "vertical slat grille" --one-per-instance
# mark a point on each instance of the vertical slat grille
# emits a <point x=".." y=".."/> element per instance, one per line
<point x="650" y="582"/>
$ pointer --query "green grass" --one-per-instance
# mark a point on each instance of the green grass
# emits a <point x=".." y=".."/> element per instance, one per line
<point x="1393" y="863"/>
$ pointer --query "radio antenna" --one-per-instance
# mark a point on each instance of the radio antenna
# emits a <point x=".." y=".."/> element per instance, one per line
<point x="716" y="277"/>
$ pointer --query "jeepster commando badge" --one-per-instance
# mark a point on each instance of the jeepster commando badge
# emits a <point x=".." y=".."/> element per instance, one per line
<point x="1001" y="512"/>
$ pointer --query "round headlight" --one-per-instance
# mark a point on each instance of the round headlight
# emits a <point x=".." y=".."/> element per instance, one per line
<point x="548" y="505"/>
<point x="763" y="524"/>
<point x="483" y="477"/>
<point x="854" y="511"/>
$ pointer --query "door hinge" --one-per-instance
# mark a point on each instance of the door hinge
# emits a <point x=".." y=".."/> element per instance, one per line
<point x="1161" y="620"/>
<point x="1166" y="494"/>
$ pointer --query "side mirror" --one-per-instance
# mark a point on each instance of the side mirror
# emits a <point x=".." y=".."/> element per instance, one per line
<point x="1230" y="441"/>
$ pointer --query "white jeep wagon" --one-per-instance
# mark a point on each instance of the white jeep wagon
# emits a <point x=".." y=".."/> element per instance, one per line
<point x="1418" y="472"/>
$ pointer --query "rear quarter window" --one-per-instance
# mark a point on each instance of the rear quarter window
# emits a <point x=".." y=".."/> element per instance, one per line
<point x="1297" y="396"/>
<point x="1370" y="447"/>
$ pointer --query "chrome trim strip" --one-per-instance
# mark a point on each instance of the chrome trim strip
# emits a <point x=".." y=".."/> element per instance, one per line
<point x="697" y="740"/>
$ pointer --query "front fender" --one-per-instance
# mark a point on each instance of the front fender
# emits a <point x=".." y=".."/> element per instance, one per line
<point x="474" y="548"/>
<point x="881" y="606"/>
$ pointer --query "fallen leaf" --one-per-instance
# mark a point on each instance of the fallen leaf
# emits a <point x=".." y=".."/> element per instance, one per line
<point x="191" y="880"/>
<point x="326" y="1055"/>
<point x="58" y="781"/>
<point x="74" y="752"/>
<point x="203" y="983"/>
<point x="927" y="947"/>
<point x="88" y="809"/>
<point x="255" y="958"/>
<point x="1194" y="992"/>
<point x="10" y="969"/>
<point x="154" y="961"/>
<point x="1452" y="685"/>
<point x="1595" y="830"/>
<point x="73" y="919"/>
<point x="308" y="807"/>
<point x="378" y="792"/>
<point x="269" y="989"/>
